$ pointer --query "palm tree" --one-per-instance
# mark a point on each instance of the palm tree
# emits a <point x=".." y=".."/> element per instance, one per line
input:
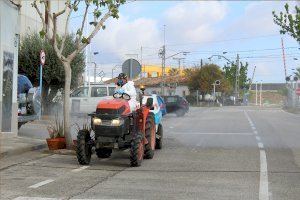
<point x="173" y="72"/>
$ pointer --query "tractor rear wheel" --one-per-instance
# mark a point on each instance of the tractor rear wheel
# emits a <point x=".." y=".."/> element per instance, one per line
<point x="84" y="148"/>
<point x="159" y="137"/>
<point x="150" y="136"/>
<point x="137" y="150"/>
<point x="103" y="152"/>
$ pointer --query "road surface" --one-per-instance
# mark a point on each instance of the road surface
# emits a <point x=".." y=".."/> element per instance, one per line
<point x="230" y="153"/>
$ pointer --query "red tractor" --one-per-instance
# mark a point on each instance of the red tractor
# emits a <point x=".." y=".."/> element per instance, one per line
<point x="115" y="127"/>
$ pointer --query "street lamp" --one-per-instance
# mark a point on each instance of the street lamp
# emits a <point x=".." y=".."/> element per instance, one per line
<point x="114" y="68"/>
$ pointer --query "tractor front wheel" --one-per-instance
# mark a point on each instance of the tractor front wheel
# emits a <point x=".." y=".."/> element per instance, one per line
<point x="137" y="150"/>
<point x="84" y="147"/>
<point x="150" y="136"/>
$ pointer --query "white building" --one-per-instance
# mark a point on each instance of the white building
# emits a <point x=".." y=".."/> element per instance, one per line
<point x="17" y="18"/>
<point x="9" y="39"/>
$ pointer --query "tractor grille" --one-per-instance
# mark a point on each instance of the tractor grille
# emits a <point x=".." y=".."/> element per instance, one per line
<point x="101" y="111"/>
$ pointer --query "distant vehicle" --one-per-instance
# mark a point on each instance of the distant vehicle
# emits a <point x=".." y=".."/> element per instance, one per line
<point x="162" y="105"/>
<point x="85" y="99"/>
<point x="176" y="104"/>
<point x="28" y="101"/>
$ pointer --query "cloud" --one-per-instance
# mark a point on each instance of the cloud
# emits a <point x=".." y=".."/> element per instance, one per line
<point x="258" y="17"/>
<point x="123" y="36"/>
<point x="193" y="21"/>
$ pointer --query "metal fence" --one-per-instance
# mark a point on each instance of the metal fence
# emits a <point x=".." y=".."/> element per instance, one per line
<point x="292" y="100"/>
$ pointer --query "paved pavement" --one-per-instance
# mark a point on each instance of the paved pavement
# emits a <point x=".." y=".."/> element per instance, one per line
<point x="211" y="153"/>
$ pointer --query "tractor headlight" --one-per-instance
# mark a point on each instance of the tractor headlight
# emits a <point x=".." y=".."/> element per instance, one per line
<point x="116" y="122"/>
<point x="97" y="121"/>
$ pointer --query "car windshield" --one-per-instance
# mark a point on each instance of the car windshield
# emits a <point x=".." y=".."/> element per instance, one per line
<point x="80" y="92"/>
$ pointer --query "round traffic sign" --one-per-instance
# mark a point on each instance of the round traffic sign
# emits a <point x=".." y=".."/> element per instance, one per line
<point x="42" y="57"/>
<point x="132" y="68"/>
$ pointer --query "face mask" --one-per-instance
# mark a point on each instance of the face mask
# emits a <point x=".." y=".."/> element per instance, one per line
<point x="120" y="82"/>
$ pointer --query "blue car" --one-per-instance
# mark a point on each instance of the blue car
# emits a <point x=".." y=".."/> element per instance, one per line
<point x="162" y="105"/>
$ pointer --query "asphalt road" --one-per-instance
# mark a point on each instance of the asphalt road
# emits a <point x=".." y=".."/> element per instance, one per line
<point x="230" y="153"/>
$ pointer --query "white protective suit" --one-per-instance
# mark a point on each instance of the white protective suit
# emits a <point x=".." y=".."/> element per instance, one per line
<point x="131" y="91"/>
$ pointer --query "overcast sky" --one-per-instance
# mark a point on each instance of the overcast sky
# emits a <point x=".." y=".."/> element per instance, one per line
<point x="201" y="28"/>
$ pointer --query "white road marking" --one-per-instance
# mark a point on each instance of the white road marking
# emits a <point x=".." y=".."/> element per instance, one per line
<point x="264" y="185"/>
<point x="171" y="127"/>
<point x="35" y="198"/>
<point x="41" y="183"/>
<point x="198" y="133"/>
<point x="258" y="138"/>
<point x="80" y="169"/>
<point x="264" y="193"/>
<point x="260" y="145"/>
<point x="43" y="198"/>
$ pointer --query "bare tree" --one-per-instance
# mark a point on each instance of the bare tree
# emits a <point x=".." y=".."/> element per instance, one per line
<point x="101" y="9"/>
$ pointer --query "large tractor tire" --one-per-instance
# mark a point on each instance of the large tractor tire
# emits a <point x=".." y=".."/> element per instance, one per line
<point x="84" y="148"/>
<point x="137" y="150"/>
<point x="103" y="152"/>
<point x="159" y="137"/>
<point x="150" y="136"/>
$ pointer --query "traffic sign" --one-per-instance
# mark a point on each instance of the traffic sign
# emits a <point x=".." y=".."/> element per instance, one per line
<point x="132" y="68"/>
<point x="298" y="91"/>
<point x="42" y="57"/>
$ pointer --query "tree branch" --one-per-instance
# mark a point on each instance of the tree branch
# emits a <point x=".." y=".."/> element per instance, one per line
<point x="82" y="25"/>
<point x="66" y="27"/>
<point x="94" y="32"/>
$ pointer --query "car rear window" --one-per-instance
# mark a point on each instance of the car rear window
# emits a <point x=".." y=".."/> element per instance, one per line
<point x="171" y="99"/>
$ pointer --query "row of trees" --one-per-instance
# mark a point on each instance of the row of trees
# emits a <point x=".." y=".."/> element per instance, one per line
<point x="202" y="78"/>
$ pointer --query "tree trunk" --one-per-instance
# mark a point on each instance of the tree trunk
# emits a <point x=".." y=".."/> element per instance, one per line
<point x="67" y="129"/>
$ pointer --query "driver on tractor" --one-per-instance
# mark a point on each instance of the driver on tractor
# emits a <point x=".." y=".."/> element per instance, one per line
<point x="125" y="86"/>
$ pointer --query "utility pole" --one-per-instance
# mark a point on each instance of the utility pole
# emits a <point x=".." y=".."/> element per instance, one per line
<point x="260" y="93"/>
<point x="252" y="78"/>
<point x="162" y="54"/>
<point x="95" y="71"/>
<point x="256" y="93"/>
<point x="283" y="57"/>
<point x="179" y="62"/>
<point x="201" y="63"/>
<point x="236" y="89"/>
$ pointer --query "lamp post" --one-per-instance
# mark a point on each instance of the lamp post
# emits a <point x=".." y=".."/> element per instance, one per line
<point x="114" y="68"/>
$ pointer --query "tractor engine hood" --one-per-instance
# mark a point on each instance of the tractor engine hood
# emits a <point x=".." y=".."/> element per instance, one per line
<point x="113" y="107"/>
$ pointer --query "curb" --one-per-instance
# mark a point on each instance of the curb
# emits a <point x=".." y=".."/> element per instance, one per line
<point x="22" y="150"/>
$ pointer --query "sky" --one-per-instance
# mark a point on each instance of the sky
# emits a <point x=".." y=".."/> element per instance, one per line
<point x="202" y="28"/>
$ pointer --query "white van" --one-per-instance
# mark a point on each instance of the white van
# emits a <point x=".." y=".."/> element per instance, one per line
<point x="85" y="98"/>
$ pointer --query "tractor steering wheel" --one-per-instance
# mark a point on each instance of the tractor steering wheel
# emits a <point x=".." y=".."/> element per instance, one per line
<point x="122" y="96"/>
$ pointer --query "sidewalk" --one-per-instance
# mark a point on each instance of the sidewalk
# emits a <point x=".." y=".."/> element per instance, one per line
<point x="13" y="145"/>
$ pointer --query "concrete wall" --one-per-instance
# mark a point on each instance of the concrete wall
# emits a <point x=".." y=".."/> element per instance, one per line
<point x="9" y="39"/>
<point x="30" y="20"/>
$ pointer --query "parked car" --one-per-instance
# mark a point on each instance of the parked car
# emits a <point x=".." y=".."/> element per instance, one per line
<point x="28" y="101"/>
<point x="85" y="99"/>
<point x="162" y="105"/>
<point x="176" y="104"/>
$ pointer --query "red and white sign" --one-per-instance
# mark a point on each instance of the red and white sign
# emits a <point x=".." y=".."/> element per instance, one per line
<point x="42" y="57"/>
<point x="298" y="91"/>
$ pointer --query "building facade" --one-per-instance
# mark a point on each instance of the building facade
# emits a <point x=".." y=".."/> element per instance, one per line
<point x="9" y="41"/>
